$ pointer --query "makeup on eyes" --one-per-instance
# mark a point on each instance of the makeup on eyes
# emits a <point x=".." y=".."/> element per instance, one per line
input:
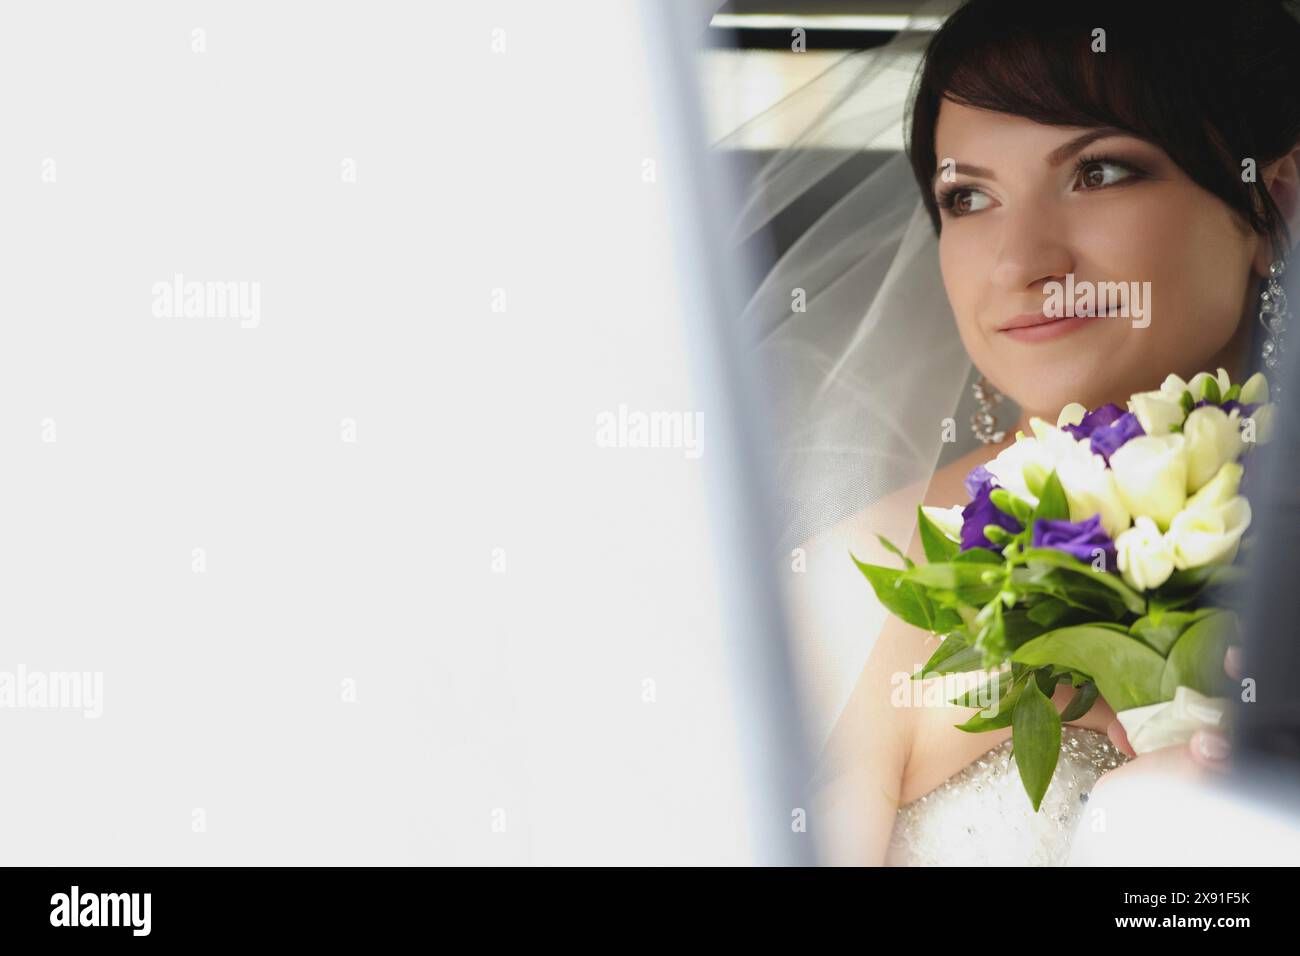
<point x="947" y="198"/>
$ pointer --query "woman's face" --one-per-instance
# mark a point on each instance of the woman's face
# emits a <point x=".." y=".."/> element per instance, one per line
<point x="1029" y="204"/>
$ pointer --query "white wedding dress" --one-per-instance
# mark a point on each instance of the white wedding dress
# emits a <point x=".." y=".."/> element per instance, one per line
<point x="981" y="815"/>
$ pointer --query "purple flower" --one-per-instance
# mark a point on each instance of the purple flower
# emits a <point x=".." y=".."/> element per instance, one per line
<point x="1244" y="410"/>
<point x="980" y="512"/>
<point x="1079" y="538"/>
<point x="1106" y="440"/>
<point x="1106" y="429"/>
<point x="1095" y="419"/>
<point x="978" y="475"/>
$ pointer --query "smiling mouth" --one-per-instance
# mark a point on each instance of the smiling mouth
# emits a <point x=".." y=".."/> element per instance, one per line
<point x="1031" y="320"/>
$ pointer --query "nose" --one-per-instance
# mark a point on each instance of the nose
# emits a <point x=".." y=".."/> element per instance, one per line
<point x="1033" y="249"/>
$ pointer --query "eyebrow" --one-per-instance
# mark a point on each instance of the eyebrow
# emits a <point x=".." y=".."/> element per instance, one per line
<point x="1055" y="158"/>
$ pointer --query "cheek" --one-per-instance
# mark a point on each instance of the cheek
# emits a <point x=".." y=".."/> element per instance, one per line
<point x="966" y="258"/>
<point x="1192" y="252"/>
<point x="1210" y="275"/>
<point x="965" y="279"/>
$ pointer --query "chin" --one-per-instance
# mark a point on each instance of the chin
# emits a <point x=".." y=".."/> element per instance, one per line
<point x="1091" y="376"/>
<point x="1057" y="388"/>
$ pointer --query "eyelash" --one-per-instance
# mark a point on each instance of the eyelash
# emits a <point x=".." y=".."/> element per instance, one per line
<point x="947" y="197"/>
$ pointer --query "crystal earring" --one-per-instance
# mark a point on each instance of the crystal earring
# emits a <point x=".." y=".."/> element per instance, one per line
<point x="1274" y="316"/>
<point x="983" y="423"/>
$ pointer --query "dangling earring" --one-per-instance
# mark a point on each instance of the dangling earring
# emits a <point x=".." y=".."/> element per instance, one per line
<point x="983" y="423"/>
<point x="1273" y="315"/>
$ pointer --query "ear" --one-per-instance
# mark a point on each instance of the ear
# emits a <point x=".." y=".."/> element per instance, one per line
<point x="1282" y="180"/>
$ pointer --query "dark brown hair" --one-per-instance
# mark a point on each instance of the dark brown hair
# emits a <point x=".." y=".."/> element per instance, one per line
<point x="1211" y="85"/>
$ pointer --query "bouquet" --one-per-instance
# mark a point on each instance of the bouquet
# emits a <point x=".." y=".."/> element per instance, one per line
<point x="1088" y="554"/>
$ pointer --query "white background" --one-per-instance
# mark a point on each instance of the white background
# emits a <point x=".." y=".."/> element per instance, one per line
<point x="329" y="561"/>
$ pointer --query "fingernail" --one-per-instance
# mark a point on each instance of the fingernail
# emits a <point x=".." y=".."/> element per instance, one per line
<point x="1214" y="746"/>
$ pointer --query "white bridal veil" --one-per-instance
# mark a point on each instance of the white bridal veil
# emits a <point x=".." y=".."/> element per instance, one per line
<point x="851" y="326"/>
<point x="869" y="383"/>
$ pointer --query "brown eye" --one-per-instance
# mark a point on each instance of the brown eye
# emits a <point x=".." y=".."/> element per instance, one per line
<point x="1096" y="173"/>
<point x="1093" y="175"/>
<point x="963" y="202"/>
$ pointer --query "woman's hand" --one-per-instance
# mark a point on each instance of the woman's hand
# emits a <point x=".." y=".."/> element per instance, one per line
<point x="1206" y="748"/>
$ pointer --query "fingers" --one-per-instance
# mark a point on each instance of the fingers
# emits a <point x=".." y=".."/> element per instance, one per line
<point x="1232" y="662"/>
<point x="1210" y="749"/>
<point x="1119" y="738"/>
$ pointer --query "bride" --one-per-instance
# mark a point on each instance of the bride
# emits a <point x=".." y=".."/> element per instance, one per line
<point x="1104" y="143"/>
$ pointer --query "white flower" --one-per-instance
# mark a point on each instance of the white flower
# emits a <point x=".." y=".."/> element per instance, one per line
<point x="1156" y="411"/>
<point x="1213" y="437"/>
<point x="1255" y="391"/>
<point x="1090" y="490"/>
<point x="1144" y="555"/>
<point x="1071" y="414"/>
<point x="1197" y="384"/>
<point x="1009" y="466"/>
<point x="1208" y="535"/>
<point x="1220" y="489"/>
<point x="1262" y="419"/>
<point x="1151" y="476"/>
<point x="1058" y="443"/>
<point x="1173" y="387"/>
<point x="947" y="520"/>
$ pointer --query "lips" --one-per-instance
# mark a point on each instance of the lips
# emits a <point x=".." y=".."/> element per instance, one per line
<point x="1030" y="319"/>
<point x="1036" y="327"/>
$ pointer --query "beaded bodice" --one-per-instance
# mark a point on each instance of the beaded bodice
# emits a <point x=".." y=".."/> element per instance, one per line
<point x="981" y="815"/>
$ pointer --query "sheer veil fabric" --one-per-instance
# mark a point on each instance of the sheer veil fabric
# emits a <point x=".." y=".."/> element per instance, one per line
<point x="853" y="336"/>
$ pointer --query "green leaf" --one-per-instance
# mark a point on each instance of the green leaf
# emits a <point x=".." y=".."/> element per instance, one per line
<point x="890" y="546"/>
<point x="1043" y="559"/>
<point x="978" y="556"/>
<point x="1073" y="589"/>
<point x="992" y="638"/>
<point x="946" y="620"/>
<point x="1048" y="612"/>
<point x="1052" y="505"/>
<point x="1210" y="390"/>
<point x="946" y="649"/>
<point x="1187" y="586"/>
<point x="993" y="687"/>
<point x="999" y="714"/>
<point x="953" y="575"/>
<point x="1076" y="679"/>
<point x="1036" y="737"/>
<point x="938" y="546"/>
<point x="1046" y="680"/>
<point x="1160" y="629"/>
<point x="1126" y="671"/>
<point x="1020" y="626"/>
<point x="900" y="598"/>
<point x="1196" y="660"/>
<point x="1081" y="702"/>
<point x="951" y="657"/>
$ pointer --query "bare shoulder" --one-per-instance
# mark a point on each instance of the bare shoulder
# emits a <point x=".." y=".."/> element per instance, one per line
<point x="899" y="648"/>
<point x="876" y="721"/>
<point x="948" y="486"/>
<point x="894" y="515"/>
